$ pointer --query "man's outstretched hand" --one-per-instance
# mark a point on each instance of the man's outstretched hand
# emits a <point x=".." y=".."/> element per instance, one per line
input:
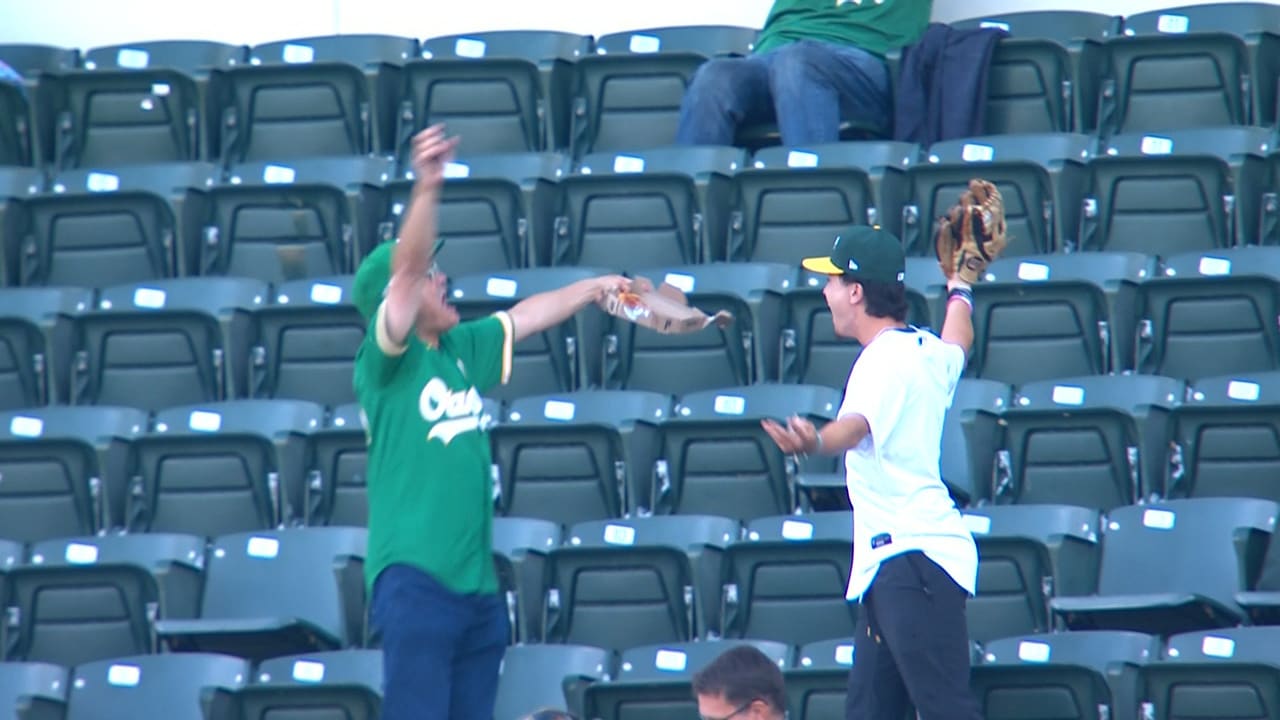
<point x="431" y="150"/>
<point x="798" y="437"/>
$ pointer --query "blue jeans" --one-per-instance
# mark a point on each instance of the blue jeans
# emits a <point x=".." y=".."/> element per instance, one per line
<point x="440" y="650"/>
<point x="807" y="87"/>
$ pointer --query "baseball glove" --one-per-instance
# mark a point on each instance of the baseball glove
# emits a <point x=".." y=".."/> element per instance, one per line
<point x="972" y="233"/>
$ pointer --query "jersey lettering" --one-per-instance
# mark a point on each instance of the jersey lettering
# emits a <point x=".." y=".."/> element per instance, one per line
<point x="450" y="413"/>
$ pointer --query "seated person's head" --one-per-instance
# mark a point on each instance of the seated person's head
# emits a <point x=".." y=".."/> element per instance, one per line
<point x="741" y="684"/>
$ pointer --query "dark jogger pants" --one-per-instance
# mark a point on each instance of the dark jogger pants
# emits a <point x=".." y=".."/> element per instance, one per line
<point x="911" y="645"/>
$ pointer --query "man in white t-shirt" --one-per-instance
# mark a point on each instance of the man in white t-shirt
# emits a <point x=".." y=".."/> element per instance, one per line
<point x="914" y="562"/>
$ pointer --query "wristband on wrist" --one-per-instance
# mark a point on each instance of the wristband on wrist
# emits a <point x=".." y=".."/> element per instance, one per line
<point x="817" y="447"/>
<point x="964" y="295"/>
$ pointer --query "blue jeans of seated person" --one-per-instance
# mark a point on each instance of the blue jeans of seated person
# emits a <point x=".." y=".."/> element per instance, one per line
<point x="806" y="86"/>
<point x="440" y="650"/>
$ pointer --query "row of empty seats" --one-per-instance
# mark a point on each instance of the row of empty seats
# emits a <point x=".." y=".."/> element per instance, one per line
<point x="1077" y="676"/>
<point x="215" y="468"/>
<point x="202" y="339"/>
<point x="630" y="582"/>
<point x="1106" y="441"/>
<point x="529" y="91"/>
<point x="285" y="220"/>
<point x="218" y="467"/>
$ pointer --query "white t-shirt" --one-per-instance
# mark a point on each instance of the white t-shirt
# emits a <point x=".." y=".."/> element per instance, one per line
<point x="902" y="383"/>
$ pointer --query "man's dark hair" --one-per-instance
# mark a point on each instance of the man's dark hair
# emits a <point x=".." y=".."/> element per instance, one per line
<point x="548" y="714"/>
<point x="740" y="675"/>
<point x="884" y="299"/>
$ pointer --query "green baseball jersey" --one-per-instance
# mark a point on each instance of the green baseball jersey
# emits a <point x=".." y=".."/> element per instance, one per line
<point x="876" y="26"/>
<point x="430" y="492"/>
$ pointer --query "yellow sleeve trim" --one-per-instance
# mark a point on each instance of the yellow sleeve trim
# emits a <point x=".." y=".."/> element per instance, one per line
<point x="508" y="342"/>
<point x="388" y="346"/>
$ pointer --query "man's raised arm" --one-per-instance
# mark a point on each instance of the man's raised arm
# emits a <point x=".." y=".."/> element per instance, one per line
<point x="412" y="256"/>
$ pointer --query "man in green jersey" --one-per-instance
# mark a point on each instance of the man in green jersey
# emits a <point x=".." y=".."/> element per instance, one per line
<point x="816" y="63"/>
<point x="419" y="375"/>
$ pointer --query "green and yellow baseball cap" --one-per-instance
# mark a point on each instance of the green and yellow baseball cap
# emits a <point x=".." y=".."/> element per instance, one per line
<point x="374" y="273"/>
<point x="863" y="253"/>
